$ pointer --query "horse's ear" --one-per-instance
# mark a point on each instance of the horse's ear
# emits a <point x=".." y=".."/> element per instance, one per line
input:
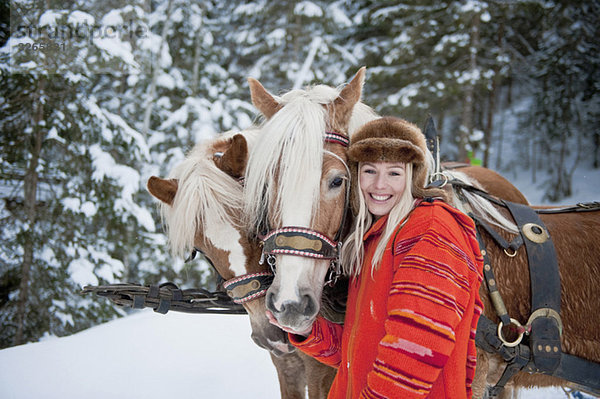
<point x="163" y="189"/>
<point x="345" y="102"/>
<point x="262" y="99"/>
<point x="234" y="159"/>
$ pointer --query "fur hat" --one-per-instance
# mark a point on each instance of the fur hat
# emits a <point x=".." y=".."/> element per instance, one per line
<point x="390" y="139"/>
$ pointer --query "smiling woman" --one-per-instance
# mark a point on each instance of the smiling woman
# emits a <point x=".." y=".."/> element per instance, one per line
<point x="415" y="266"/>
<point x="382" y="185"/>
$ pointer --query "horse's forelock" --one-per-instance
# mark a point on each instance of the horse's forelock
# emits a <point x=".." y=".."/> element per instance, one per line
<point x="202" y="188"/>
<point x="294" y="134"/>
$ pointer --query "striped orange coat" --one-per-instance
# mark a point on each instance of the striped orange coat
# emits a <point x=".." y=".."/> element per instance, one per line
<point x="409" y="329"/>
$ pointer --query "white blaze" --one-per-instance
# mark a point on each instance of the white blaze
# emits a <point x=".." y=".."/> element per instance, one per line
<point x="225" y="237"/>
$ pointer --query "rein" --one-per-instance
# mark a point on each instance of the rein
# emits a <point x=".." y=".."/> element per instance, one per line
<point x="305" y="242"/>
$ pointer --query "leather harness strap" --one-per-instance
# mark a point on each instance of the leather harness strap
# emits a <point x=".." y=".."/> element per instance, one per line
<point x="545" y="288"/>
<point x="543" y="353"/>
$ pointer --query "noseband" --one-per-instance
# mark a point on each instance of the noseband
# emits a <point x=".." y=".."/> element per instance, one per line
<point x="241" y="289"/>
<point x="302" y="241"/>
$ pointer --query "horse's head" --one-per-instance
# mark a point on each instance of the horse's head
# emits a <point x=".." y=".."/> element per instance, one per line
<point x="297" y="189"/>
<point x="201" y="208"/>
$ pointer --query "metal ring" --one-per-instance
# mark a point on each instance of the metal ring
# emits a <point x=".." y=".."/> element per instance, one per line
<point x="444" y="177"/>
<point x="514" y="253"/>
<point x="515" y="342"/>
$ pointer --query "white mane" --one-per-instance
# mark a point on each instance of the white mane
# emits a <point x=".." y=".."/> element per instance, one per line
<point x="202" y="188"/>
<point x="479" y="205"/>
<point x="294" y="134"/>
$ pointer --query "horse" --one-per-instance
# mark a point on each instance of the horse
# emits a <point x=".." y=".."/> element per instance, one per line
<point x="297" y="186"/>
<point x="200" y="204"/>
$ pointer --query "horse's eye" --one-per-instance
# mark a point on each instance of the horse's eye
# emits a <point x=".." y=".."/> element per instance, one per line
<point x="336" y="182"/>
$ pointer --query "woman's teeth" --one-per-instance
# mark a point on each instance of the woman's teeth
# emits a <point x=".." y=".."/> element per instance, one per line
<point x="380" y="197"/>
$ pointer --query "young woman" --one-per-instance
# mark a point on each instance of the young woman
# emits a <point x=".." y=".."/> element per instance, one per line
<point x="415" y="268"/>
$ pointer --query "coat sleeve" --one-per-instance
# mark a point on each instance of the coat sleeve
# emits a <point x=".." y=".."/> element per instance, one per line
<point x="323" y="343"/>
<point x="431" y="288"/>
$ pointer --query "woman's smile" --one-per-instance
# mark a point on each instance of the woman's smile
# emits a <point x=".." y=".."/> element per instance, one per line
<point x="382" y="185"/>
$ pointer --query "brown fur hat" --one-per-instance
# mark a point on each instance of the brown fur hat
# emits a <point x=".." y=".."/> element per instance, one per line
<point x="390" y="139"/>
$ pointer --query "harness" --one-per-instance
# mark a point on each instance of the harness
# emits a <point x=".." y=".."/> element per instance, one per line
<point x="542" y="353"/>
<point x="302" y="241"/>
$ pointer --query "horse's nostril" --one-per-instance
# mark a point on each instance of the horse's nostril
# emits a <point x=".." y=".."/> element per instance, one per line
<point x="309" y="307"/>
<point x="270" y="303"/>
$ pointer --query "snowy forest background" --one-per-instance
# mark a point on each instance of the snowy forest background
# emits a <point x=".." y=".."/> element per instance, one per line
<point x="96" y="96"/>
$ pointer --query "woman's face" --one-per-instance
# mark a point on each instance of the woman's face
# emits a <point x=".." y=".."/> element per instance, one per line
<point x="382" y="185"/>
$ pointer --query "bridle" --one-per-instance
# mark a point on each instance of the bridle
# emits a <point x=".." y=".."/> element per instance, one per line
<point x="244" y="288"/>
<point x="305" y="242"/>
<point x="298" y="241"/>
<point x="241" y="289"/>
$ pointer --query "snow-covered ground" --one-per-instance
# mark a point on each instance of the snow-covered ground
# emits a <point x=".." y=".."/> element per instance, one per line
<point x="147" y="356"/>
<point x="151" y="356"/>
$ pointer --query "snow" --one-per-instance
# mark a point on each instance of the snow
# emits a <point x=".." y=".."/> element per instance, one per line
<point x="145" y="355"/>
<point x="81" y="18"/>
<point x="49" y="18"/>
<point x="152" y="356"/>
<point x="81" y="271"/>
<point x="308" y="9"/>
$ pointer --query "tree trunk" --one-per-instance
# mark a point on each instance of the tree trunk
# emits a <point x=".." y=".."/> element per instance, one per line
<point x="30" y="199"/>
<point x="196" y="66"/>
<point x="156" y="70"/>
<point x="489" y="125"/>
<point x="496" y="82"/>
<point x="466" y="129"/>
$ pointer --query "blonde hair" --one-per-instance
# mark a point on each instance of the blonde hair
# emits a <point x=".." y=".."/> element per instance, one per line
<point x="353" y="250"/>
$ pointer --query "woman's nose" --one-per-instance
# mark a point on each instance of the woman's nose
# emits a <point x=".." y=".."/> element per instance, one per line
<point x="380" y="181"/>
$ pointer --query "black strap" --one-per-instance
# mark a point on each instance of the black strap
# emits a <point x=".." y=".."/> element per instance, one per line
<point x="543" y="264"/>
<point x="168" y="296"/>
<point x="580" y="371"/>
<point x="513" y="245"/>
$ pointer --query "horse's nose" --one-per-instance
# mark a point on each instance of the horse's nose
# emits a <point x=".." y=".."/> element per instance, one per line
<point x="304" y="306"/>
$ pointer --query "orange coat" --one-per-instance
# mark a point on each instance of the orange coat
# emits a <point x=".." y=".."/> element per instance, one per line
<point x="410" y="330"/>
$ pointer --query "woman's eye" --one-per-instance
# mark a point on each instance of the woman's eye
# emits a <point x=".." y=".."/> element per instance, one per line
<point x="369" y="171"/>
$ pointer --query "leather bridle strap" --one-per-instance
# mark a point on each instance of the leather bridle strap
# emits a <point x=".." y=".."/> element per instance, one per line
<point x="248" y="287"/>
<point x="302" y="241"/>
<point x="241" y="289"/>
<point x="336" y="138"/>
<point x="299" y="241"/>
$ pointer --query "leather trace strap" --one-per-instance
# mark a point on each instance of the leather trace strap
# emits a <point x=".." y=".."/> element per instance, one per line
<point x="299" y="241"/>
<point x="248" y="287"/>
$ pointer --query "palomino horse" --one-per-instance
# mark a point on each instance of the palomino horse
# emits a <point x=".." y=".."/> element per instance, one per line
<point x="295" y="188"/>
<point x="201" y="208"/>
